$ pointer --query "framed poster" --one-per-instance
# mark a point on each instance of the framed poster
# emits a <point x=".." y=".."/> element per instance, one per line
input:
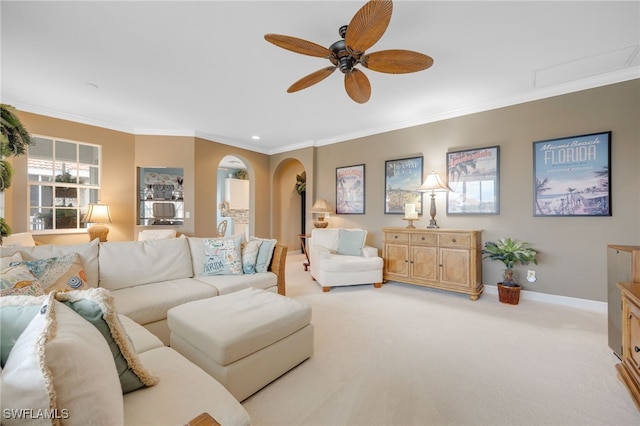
<point x="474" y="179"/>
<point x="401" y="182"/>
<point x="571" y="176"/>
<point x="350" y="189"/>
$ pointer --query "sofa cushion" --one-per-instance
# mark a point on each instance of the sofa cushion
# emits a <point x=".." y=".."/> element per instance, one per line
<point x="351" y="241"/>
<point x="61" y="362"/>
<point x="88" y="255"/>
<point x="184" y="392"/>
<point x="223" y="256"/>
<point x="133" y="263"/>
<point x="19" y="280"/>
<point x="342" y="263"/>
<point x="6" y="261"/>
<point x="150" y="302"/>
<point x="61" y="273"/>
<point x="24" y="239"/>
<point x="142" y="339"/>
<point x="225" y="284"/>
<point x="96" y="306"/>
<point x="156" y="234"/>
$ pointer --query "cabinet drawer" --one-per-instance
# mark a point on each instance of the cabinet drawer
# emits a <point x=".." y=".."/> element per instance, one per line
<point x="396" y="237"/>
<point x="424" y="239"/>
<point x="454" y="240"/>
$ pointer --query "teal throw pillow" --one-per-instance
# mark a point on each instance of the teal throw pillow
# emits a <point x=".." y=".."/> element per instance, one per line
<point x="264" y="254"/>
<point x="13" y="321"/>
<point x="351" y="241"/>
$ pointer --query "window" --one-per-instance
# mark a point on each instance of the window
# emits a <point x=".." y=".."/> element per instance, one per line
<point x="64" y="177"/>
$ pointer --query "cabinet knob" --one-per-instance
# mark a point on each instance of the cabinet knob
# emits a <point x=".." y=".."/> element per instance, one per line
<point x="637" y="349"/>
<point x="395" y="236"/>
<point x="422" y="238"/>
<point x="453" y="240"/>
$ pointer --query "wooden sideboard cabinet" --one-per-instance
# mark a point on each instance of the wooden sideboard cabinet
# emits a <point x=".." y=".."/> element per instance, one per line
<point x="629" y="368"/>
<point x="623" y="265"/>
<point x="447" y="259"/>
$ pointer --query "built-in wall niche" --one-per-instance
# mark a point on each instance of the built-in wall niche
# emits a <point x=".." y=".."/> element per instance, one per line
<point x="160" y="196"/>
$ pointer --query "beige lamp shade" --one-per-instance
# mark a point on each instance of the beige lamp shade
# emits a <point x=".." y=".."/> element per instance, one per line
<point x="97" y="214"/>
<point x="433" y="184"/>
<point x="321" y="208"/>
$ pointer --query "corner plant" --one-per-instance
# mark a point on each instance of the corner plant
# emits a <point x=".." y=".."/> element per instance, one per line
<point x="509" y="252"/>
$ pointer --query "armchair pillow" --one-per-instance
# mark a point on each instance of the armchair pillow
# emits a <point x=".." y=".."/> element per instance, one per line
<point x="351" y="241"/>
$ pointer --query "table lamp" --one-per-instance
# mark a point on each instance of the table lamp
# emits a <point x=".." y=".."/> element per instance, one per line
<point x="321" y="208"/>
<point x="434" y="184"/>
<point x="97" y="214"/>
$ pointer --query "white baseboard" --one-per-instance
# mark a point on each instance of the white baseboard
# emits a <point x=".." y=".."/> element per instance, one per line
<point x="586" y="304"/>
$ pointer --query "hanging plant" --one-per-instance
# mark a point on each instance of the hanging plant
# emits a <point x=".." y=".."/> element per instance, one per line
<point x="301" y="182"/>
<point x="13" y="142"/>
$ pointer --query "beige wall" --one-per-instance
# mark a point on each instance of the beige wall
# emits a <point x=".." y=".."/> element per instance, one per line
<point x="572" y="260"/>
<point x="572" y="249"/>
<point x="118" y="176"/>
<point x="206" y="158"/>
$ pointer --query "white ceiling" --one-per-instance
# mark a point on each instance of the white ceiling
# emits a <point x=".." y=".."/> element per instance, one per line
<point x="204" y="69"/>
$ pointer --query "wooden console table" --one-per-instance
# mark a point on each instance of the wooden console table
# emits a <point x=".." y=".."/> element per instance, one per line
<point x="629" y="368"/>
<point x="447" y="259"/>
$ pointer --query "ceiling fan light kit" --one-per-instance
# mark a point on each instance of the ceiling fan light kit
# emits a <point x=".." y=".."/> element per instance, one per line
<point x="365" y="29"/>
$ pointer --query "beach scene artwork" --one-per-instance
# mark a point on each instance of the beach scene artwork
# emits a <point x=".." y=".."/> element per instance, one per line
<point x="402" y="180"/>
<point x="572" y="175"/>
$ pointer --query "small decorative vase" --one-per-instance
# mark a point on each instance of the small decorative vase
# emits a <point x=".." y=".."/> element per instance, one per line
<point x="509" y="294"/>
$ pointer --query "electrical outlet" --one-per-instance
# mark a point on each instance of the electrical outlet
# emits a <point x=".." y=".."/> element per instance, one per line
<point x="187" y="215"/>
<point x="531" y="276"/>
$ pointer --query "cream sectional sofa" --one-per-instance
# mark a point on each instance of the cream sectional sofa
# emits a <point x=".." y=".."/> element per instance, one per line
<point x="146" y="279"/>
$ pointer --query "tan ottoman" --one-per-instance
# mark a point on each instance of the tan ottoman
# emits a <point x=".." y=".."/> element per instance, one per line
<point x="244" y="340"/>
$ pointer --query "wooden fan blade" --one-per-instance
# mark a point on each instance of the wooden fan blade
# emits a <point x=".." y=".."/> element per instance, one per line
<point x="298" y="45"/>
<point x="368" y="25"/>
<point x="357" y="86"/>
<point x="311" y="79"/>
<point x="396" y="61"/>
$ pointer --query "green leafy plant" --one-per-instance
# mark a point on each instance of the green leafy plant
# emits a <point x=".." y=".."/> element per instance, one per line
<point x="301" y="182"/>
<point x="510" y="252"/>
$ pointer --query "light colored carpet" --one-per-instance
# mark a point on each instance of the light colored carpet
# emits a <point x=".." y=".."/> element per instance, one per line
<point x="405" y="355"/>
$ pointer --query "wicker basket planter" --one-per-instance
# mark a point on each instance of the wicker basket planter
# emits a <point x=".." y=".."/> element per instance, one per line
<point x="509" y="294"/>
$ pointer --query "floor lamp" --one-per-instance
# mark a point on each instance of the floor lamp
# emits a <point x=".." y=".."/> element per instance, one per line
<point x="434" y="184"/>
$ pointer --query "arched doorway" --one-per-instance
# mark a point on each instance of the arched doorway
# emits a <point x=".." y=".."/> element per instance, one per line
<point x="233" y="196"/>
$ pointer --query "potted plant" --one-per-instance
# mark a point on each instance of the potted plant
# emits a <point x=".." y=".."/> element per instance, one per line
<point x="510" y="252"/>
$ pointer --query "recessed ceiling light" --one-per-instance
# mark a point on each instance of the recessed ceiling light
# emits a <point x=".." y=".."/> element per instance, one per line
<point x="255" y="137"/>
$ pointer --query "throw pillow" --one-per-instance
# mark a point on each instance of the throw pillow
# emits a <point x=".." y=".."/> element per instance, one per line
<point x="96" y="306"/>
<point x="250" y="256"/>
<point x="22" y="239"/>
<point x="264" y="254"/>
<point x="19" y="280"/>
<point x="351" y="241"/>
<point x="223" y="256"/>
<point x="58" y="273"/>
<point x="63" y="366"/>
<point x="16" y="313"/>
<point x="6" y="261"/>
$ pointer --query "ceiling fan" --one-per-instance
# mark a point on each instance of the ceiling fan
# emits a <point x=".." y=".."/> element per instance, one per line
<point x="364" y="30"/>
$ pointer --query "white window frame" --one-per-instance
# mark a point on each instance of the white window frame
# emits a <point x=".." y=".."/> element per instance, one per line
<point x="34" y="225"/>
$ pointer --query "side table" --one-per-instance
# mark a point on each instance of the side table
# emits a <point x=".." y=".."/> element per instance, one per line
<point x="303" y="240"/>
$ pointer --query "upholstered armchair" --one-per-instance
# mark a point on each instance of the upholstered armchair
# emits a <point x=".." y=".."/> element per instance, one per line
<point x="339" y="257"/>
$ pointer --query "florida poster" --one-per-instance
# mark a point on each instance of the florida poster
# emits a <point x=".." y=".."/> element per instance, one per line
<point x="572" y="176"/>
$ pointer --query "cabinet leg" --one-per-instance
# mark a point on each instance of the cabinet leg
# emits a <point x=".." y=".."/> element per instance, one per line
<point x="474" y="297"/>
